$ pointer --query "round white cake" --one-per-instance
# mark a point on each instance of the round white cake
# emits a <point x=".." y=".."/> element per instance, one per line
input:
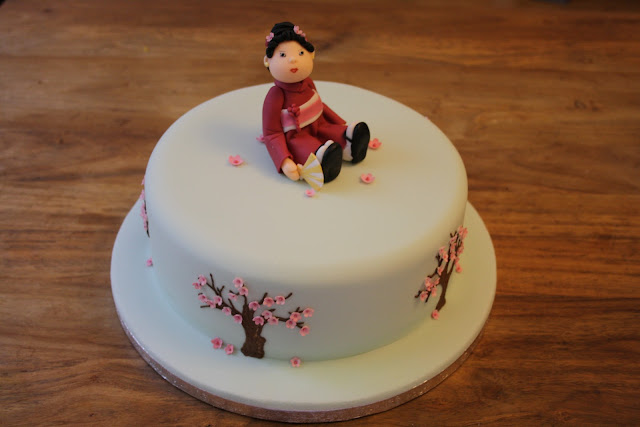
<point x="245" y="256"/>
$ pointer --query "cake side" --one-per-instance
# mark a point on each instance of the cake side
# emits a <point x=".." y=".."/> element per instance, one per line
<point x="355" y="254"/>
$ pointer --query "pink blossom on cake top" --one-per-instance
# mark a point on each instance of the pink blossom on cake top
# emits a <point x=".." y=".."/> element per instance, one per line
<point x="244" y="291"/>
<point x="268" y="301"/>
<point x="273" y="320"/>
<point x="290" y="324"/>
<point x="217" y="343"/>
<point x="258" y="320"/>
<point x="304" y="331"/>
<point x="423" y="296"/>
<point x="202" y="297"/>
<point x="458" y="268"/>
<point x="217" y="300"/>
<point x="238" y="282"/>
<point x="295" y="362"/>
<point x="149" y="262"/>
<point x="310" y="192"/>
<point x="308" y="312"/>
<point x="232" y="296"/>
<point x="295" y="316"/>
<point x="367" y="178"/>
<point x="237" y="318"/>
<point x="375" y="144"/>
<point x="435" y="314"/>
<point x="280" y="300"/>
<point x="254" y="305"/>
<point x="267" y="314"/>
<point x="236" y="160"/>
<point x="229" y="349"/>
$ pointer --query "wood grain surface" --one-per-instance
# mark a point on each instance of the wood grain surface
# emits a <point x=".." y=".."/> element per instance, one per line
<point x="541" y="98"/>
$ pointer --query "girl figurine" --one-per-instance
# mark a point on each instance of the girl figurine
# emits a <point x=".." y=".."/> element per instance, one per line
<point x="295" y="122"/>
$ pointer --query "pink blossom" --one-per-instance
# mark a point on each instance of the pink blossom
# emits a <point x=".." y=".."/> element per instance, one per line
<point x="424" y="295"/>
<point x="295" y="316"/>
<point x="258" y="320"/>
<point x="273" y="320"/>
<point x="244" y="291"/>
<point x="435" y="314"/>
<point x="280" y="300"/>
<point x="434" y="292"/>
<point x="217" y="343"/>
<point x="236" y="160"/>
<point x="229" y="349"/>
<point x="149" y="262"/>
<point x="268" y="301"/>
<point x="367" y="178"/>
<point x="217" y="300"/>
<point x="291" y="324"/>
<point x="375" y="144"/>
<point x="232" y="296"/>
<point x="238" y="282"/>
<point x="237" y="318"/>
<point x="304" y="331"/>
<point x="308" y="312"/>
<point x="254" y="305"/>
<point x="197" y="285"/>
<point x="202" y="297"/>
<point x="260" y="138"/>
<point x="227" y="311"/>
<point x="458" y="268"/>
<point x="268" y="38"/>
<point x="267" y="314"/>
<point x="310" y="192"/>
<point x="202" y="280"/>
<point x="295" y="362"/>
<point x="440" y="269"/>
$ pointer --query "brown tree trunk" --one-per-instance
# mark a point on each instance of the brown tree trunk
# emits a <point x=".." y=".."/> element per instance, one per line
<point x="254" y="342"/>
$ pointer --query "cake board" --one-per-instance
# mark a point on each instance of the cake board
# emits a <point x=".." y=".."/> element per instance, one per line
<point x="317" y="391"/>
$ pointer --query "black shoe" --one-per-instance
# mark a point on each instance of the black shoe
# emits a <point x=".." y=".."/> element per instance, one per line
<point x="331" y="162"/>
<point x="359" y="142"/>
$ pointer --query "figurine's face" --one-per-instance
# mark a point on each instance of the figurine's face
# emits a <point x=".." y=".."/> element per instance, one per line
<point x="291" y="63"/>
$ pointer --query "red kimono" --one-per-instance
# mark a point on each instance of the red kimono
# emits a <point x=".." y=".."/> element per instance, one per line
<point x="295" y="122"/>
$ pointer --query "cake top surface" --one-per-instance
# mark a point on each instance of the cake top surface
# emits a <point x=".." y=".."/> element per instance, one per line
<point x="254" y="220"/>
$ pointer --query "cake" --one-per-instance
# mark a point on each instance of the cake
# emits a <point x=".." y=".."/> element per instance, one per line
<point x="267" y="268"/>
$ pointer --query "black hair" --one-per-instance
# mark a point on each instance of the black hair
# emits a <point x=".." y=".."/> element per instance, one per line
<point x="282" y="32"/>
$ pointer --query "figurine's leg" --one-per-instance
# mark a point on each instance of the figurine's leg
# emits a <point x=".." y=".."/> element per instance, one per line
<point x="330" y="157"/>
<point x="357" y="141"/>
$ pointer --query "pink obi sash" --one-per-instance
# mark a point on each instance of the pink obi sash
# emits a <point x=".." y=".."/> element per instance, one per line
<point x="299" y="117"/>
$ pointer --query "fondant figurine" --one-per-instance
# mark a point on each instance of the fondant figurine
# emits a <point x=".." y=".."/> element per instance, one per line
<point x="296" y="123"/>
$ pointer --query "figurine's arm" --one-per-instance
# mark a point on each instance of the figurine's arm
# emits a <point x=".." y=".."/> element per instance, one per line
<point x="272" y="130"/>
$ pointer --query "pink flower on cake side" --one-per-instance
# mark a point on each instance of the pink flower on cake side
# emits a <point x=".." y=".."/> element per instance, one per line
<point x="268" y="302"/>
<point x="267" y="314"/>
<point x="435" y="314"/>
<point x="202" y="297"/>
<point x="304" y="331"/>
<point x="291" y="324"/>
<point x="244" y="291"/>
<point x="273" y="320"/>
<point x="238" y="282"/>
<point x="229" y="349"/>
<point x="149" y="262"/>
<point x="216" y="301"/>
<point x="308" y="312"/>
<point x="254" y="305"/>
<point x="280" y="300"/>
<point x="236" y="160"/>
<point x="226" y="311"/>
<point x="367" y="178"/>
<point x="258" y="320"/>
<point x="310" y="192"/>
<point x="237" y="318"/>
<point x="295" y="362"/>
<point x="295" y="316"/>
<point x="217" y="343"/>
<point x="232" y="296"/>
<point x="374" y="144"/>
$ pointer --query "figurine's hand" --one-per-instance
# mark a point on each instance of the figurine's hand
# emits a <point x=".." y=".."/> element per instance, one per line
<point x="290" y="169"/>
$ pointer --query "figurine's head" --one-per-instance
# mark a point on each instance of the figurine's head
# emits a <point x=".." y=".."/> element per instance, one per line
<point x="289" y="56"/>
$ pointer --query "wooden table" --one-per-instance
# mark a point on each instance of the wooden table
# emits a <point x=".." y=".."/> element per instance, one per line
<point x="542" y="99"/>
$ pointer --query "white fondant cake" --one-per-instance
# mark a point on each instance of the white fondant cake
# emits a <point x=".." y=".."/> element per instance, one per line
<point x="356" y="254"/>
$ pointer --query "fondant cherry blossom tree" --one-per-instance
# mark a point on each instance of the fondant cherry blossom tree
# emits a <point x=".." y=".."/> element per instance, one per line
<point x="252" y="315"/>
<point x="448" y="261"/>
